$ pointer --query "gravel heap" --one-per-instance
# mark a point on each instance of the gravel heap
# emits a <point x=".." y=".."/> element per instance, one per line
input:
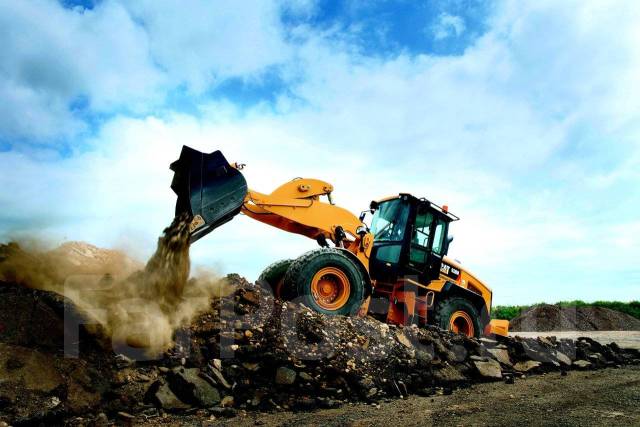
<point x="547" y="318"/>
<point x="249" y="352"/>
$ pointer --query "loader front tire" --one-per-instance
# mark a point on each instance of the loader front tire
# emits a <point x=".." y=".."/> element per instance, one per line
<point x="273" y="276"/>
<point x="327" y="281"/>
<point x="458" y="315"/>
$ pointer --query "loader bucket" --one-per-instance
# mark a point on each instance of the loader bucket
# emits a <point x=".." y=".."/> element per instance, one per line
<point x="209" y="189"/>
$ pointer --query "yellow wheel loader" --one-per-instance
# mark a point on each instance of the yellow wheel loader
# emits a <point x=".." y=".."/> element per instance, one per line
<point x="396" y="269"/>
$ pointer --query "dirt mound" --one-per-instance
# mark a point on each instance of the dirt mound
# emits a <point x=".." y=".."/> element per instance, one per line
<point x="249" y="351"/>
<point x="157" y="344"/>
<point x="42" y="269"/>
<point x="113" y="291"/>
<point x="85" y="258"/>
<point x="42" y="379"/>
<point x="547" y="318"/>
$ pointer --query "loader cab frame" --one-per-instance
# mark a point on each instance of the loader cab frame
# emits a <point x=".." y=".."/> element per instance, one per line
<point x="410" y="238"/>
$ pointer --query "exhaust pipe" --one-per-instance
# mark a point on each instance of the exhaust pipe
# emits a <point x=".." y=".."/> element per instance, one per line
<point x="209" y="190"/>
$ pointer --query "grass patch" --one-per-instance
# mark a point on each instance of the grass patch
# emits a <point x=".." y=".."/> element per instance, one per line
<point x="510" y="312"/>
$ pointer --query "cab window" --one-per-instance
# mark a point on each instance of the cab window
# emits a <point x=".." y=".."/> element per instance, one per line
<point x="390" y="221"/>
<point x="439" y="235"/>
<point x="420" y="238"/>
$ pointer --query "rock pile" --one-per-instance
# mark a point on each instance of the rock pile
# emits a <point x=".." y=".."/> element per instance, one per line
<point x="251" y="352"/>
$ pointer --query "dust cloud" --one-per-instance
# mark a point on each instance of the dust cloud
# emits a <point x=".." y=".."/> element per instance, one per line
<point x="134" y="306"/>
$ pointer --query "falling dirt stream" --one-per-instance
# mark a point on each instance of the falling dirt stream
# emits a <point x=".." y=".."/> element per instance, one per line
<point x="140" y="310"/>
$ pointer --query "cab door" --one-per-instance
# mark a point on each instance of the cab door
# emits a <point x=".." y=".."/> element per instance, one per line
<point x="390" y="226"/>
<point x="427" y="244"/>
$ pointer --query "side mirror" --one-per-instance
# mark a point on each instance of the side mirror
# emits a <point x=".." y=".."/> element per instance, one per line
<point x="364" y="213"/>
<point x="448" y="242"/>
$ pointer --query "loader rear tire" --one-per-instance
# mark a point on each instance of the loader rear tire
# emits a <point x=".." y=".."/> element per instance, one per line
<point x="327" y="281"/>
<point x="273" y="275"/>
<point x="458" y="315"/>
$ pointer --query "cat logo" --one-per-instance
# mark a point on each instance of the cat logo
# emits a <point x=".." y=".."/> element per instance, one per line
<point x="449" y="271"/>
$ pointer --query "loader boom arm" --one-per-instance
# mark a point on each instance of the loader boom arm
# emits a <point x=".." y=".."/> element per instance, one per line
<point x="213" y="191"/>
<point x="296" y="207"/>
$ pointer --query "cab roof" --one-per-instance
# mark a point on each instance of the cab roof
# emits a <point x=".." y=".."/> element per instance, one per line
<point x="444" y="210"/>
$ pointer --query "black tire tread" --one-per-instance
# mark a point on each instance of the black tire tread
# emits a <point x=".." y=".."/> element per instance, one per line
<point x="302" y="260"/>
<point x="295" y="269"/>
<point x="274" y="272"/>
<point x="443" y="312"/>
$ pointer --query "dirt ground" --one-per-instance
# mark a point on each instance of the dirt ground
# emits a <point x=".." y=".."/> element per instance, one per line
<point x="598" y="398"/>
<point x="246" y="355"/>
<point x="605" y="397"/>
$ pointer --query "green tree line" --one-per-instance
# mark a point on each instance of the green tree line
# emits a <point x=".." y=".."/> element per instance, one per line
<point x="509" y="312"/>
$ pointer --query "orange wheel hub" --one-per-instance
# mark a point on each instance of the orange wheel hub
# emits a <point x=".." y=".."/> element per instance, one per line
<point x="461" y="323"/>
<point x="330" y="288"/>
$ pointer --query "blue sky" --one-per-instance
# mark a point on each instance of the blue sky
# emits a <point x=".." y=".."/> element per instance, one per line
<point x="523" y="117"/>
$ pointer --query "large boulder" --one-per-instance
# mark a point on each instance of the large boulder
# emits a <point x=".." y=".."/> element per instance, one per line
<point x="501" y="355"/>
<point x="161" y="395"/>
<point x="489" y="370"/>
<point x="190" y="387"/>
<point x="527" y="366"/>
<point x="285" y="376"/>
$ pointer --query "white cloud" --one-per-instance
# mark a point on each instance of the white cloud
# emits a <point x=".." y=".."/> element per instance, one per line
<point x="512" y="135"/>
<point x="51" y="56"/>
<point x="199" y="42"/>
<point x="28" y="112"/>
<point x="123" y="56"/>
<point x="300" y="8"/>
<point x="448" y="26"/>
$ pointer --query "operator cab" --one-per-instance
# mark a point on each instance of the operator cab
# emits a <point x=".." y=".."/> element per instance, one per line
<point x="410" y="238"/>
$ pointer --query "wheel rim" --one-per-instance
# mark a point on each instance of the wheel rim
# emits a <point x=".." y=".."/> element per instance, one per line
<point x="330" y="288"/>
<point x="461" y="323"/>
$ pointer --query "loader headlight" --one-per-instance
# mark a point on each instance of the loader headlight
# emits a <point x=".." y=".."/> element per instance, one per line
<point x="362" y="230"/>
